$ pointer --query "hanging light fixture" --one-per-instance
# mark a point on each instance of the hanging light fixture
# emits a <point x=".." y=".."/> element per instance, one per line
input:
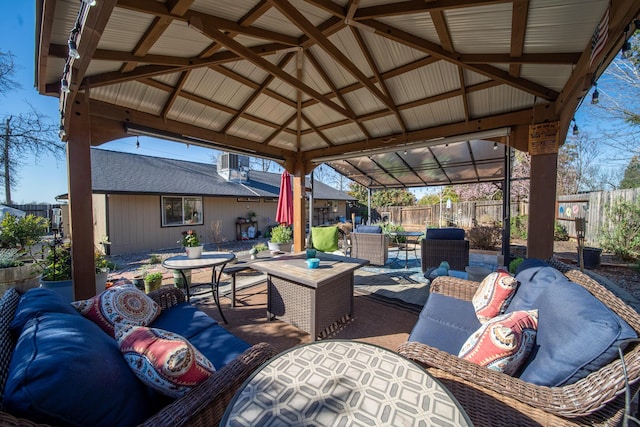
<point x="626" y="46"/>
<point x="137" y="142"/>
<point x="595" y="97"/>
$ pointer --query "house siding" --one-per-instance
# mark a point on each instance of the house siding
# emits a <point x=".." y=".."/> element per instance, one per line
<point x="135" y="220"/>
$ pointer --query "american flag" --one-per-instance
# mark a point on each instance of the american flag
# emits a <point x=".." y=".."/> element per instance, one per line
<point x="599" y="37"/>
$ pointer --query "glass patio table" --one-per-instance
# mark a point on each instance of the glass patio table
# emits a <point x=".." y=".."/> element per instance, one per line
<point x="343" y="382"/>
<point x="410" y="238"/>
<point x="208" y="259"/>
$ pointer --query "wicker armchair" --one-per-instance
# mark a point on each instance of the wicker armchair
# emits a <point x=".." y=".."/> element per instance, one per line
<point x="434" y="251"/>
<point x="494" y="399"/>
<point x="205" y="404"/>
<point x="371" y="246"/>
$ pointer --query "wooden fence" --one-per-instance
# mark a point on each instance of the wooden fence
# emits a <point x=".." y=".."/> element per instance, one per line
<point x="462" y="214"/>
<point x="592" y="206"/>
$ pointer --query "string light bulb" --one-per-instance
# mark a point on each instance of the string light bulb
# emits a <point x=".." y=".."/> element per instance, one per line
<point x="73" y="49"/>
<point x="495" y="145"/>
<point x="137" y="142"/>
<point x="64" y="86"/>
<point x="89" y="2"/>
<point x="576" y="131"/>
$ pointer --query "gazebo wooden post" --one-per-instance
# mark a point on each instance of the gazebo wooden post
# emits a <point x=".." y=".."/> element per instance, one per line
<point x="80" y="203"/>
<point x="542" y="202"/>
<point x="299" y="218"/>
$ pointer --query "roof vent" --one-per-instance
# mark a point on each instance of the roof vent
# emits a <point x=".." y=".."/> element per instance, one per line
<point x="233" y="167"/>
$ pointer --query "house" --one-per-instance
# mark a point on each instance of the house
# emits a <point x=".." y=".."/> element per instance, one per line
<point x="144" y="203"/>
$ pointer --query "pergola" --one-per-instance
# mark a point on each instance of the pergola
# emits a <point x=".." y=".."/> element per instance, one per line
<point x="355" y="83"/>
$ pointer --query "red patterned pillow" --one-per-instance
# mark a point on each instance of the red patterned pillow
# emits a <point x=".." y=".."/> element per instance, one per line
<point x="119" y="304"/>
<point x="494" y="295"/>
<point x="503" y="343"/>
<point x="162" y="360"/>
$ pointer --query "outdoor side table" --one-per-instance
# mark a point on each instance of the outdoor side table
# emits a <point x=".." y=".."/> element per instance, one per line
<point x="410" y="238"/>
<point x="342" y="382"/>
<point x="208" y="259"/>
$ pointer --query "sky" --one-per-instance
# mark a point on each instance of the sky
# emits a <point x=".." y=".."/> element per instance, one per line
<point x="43" y="179"/>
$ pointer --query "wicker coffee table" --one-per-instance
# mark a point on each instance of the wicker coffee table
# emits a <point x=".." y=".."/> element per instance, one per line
<point x="338" y="382"/>
<point x="310" y="299"/>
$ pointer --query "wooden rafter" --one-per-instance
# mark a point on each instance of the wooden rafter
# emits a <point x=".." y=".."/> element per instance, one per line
<point x="519" y="17"/>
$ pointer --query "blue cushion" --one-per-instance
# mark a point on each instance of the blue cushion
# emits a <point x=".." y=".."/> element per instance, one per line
<point x="183" y="319"/>
<point x="36" y="301"/>
<point x="218" y="345"/>
<point x="445" y="234"/>
<point x="66" y="371"/>
<point x="375" y="229"/>
<point x="445" y="323"/>
<point x="577" y="334"/>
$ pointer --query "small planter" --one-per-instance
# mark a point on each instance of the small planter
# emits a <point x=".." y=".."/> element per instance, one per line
<point x="152" y="284"/>
<point x="178" y="281"/>
<point x="279" y="247"/>
<point x="101" y="280"/>
<point x="64" y="288"/>
<point x="193" y="252"/>
<point x="591" y="257"/>
<point x="138" y="281"/>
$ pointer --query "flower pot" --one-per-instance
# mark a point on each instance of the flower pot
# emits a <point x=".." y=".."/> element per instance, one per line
<point x="178" y="281"/>
<point x="591" y="257"/>
<point x="150" y="286"/>
<point x="193" y="252"/>
<point x="101" y="280"/>
<point x="138" y="281"/>
<point x="64" y="288"/>
<point x="279" y="247"/>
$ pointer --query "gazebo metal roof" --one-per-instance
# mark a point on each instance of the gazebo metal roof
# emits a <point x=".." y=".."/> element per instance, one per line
<point x="324" y="79"/>
<point x="351" y="82"/>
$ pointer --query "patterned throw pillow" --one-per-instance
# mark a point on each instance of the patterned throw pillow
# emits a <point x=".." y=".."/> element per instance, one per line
<point x="503" y="343"/>
<point x="123" y="304"/>
<point x="494" y="295"/>
<point x="8" y="305"/>
<point x="162" y="360"/>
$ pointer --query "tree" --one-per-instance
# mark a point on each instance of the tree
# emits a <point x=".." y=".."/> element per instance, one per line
<point x="26" y="133"/>
<point x="23" y="133"/>
<point x="631" y="177"/>
<point x="7" y="71"/>
<point x="394" y="197"/>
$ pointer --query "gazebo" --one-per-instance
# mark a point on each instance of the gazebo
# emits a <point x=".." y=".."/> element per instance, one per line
<point x="389" y="93"/>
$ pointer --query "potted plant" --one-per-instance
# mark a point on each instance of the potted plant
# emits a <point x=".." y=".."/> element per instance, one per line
<point x="191" y="243"/>
<point x="103" y="267"/>
<point x="19" y="239"/>
<point x="281" y="238"/>
<point x="57" y="271"/>
<point x="252" y="216"/>
<point x="152" y="281"/>
<point x="258" y="247"/>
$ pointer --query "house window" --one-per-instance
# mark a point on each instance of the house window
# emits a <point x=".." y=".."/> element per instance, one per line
<point x="181" y="210"/>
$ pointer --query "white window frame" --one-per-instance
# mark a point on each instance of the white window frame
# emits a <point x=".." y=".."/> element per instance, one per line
<point x="187" y="215"/>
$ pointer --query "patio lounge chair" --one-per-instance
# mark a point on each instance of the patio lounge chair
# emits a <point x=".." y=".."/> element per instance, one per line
<point x="444" y="244"/>
<point x="491" y="398"/>
<point x="369" y="242"/>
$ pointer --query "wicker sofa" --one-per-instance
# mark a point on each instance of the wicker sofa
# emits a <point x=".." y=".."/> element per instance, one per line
<point x="202" y="405"/>
<point x="494" y="399"/>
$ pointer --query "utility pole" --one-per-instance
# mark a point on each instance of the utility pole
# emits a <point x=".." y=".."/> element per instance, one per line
<point x="7" y="180"/>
